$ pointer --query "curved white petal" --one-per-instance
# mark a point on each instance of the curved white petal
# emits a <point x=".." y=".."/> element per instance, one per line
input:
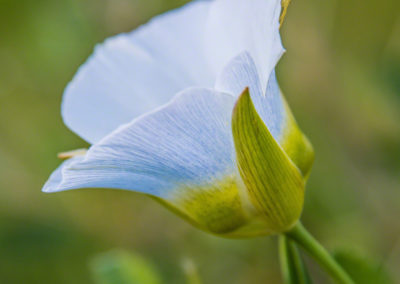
<point x="241" y="72"/>
<point x="131" y="74"/>
<point x="56" y="178"/>
<point x="235" y="26"/>
<point x="185" y="143"/>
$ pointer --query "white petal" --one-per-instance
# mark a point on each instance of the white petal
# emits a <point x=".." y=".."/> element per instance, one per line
<point x="131" y="74"/>
<point x="57" y="176"/>
<point x="241" y="72"/>
<point x="185" y="143"/>
<point x="235" y="26"/>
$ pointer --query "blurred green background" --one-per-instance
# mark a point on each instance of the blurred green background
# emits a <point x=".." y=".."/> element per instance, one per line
<point x="341" y="76"/>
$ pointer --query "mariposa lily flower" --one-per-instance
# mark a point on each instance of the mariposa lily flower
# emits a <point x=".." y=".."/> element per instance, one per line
<point x="187" y="109"/>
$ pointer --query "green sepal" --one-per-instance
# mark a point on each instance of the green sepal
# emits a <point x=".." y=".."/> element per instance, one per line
<point x="274" y="183"/>
<point x="296" y="145"/>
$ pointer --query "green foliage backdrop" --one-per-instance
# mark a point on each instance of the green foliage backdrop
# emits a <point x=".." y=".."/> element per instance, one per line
<point x="341" y="75"/>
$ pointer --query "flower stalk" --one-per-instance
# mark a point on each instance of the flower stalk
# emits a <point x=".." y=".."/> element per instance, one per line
<point x="302" y="237"/>
<point x="292" y="266"/>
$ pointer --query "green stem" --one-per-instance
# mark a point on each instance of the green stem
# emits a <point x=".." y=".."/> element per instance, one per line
<point x="190" y="270"/>
<point x="287" y="267"/>
<point x="300" y="235"/>
<point x="293" y="269"/>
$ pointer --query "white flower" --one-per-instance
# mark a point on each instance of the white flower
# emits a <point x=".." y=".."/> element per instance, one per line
<point x="156" y="104"/>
